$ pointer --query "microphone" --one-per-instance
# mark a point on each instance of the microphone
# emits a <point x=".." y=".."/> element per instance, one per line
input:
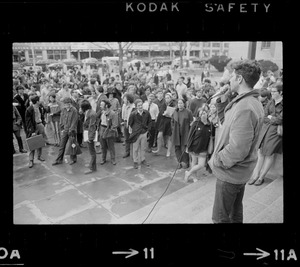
<point x="222" y="91"/>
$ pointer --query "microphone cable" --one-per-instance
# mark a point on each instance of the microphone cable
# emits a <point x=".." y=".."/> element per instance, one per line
<point x="179" y="162"/>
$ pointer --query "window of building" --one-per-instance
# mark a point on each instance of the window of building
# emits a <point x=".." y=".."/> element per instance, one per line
<point x="206" y="53"/>
<point x="38" y="54"/>
<point x="57" y="54"/>
<point x="206" y="44"/>
<point x="215" y="52"/>
<point x="215" y="44"/>
<point x="265" y="45"/>
<point x="226" y="45"/>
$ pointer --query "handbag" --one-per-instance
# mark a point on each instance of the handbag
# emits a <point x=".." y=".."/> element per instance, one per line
<point x="109" y="133"/>
<point x="73" y="147"/>
<point x="279" y="130"/>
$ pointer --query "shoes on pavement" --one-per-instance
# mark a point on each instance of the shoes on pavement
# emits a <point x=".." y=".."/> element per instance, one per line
<point x="168" y="154"/>
<point x="102" y="162"/>
<point x="89" y="171"/>
<point x="259" y="182"/>
<point x="126" y="155"/>
<point x="145" y="163"/>
<point x="56" y="163"/>
<point x="113" y="162"/>
<point x="72" y="162"/>
<point x="135" y="165"/>
<point x="48" y="144"/>
<point x="23" y="151"/>
<point x="30" y="164"/>
<point x="179" y="166"/>
<point x="41" y="158"/>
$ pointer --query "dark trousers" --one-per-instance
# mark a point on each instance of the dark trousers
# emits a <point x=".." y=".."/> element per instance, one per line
<point x="185" y="157"/>
<point x="40" y="130"/>
<point x="79" y="138"/>
<point x="92" y="151"/>
<point x="228" y="205"/>
<point x="19" y="139"/>
<point x="126" y="136"/>
<point x="62" y="147"/>
<point x="151" y="134"/>
<point x="108" y="144"/>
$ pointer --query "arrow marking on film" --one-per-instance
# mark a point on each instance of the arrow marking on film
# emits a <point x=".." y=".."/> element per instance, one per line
<point x="263" y="254"/>
<point x="131" y="253"/>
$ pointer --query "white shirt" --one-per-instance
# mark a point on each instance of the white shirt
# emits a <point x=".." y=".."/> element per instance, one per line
<point x="181" y="90"/>
<point x="153" y="109"/>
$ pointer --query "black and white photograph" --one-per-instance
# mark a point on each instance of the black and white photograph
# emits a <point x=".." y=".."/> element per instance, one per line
<point x="147" y="132"/>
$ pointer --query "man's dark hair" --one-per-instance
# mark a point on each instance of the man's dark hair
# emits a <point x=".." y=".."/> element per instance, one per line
<point x="100" y="89"/>
<point x="85" y="105"/>
<point x="34" y="99"/>
<point x="250" y="70"/>
<point x="107" y="103"/>
<point x="130" y="97"/>
<point x="264" y="92"/>
<point x="20" y="87"/>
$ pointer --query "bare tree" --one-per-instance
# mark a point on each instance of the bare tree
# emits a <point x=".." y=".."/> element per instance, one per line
<point x="121" y="49"/>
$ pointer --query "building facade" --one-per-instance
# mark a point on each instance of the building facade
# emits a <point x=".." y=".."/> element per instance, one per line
<point x="147" y="50"/>
<point x="262" y="50"/>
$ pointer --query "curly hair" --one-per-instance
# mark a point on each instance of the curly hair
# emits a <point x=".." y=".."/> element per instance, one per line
<point x="250" y="70"/>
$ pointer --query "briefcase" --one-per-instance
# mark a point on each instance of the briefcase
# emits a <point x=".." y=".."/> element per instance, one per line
<point x="35" y="142"/>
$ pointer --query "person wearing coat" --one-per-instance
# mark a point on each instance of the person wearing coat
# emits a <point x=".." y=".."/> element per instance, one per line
<point x="76" y="104"/>
<point x="108" y="131"/>
<point x="164" y="128"/>
<point x="23" y="102"/>
<point x="235" y="151"/>
<point x="17" y="122"/>
<point x="89" y="125"/>
<point x="270" y="143"/>
<point x="181" y="121"/>
<point x="198" y="140"/>
<point x="127" y="108"/>
<point x="68" y="125"/>
<point x="34" y="126"/>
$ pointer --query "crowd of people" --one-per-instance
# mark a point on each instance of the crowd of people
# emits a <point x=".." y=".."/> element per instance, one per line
<point x="146" y="112"/>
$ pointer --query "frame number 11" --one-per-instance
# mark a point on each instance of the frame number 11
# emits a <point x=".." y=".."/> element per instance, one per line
<point x="151" y="253"/>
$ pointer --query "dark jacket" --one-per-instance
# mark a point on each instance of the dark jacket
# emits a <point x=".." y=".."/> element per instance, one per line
<point x="139" y="124"/>
<point x="180" y="132"/>
<point x="76" y="104"/>
<point x="98" y="108"/>
<point x="198" y="137"/>
<point x="23" y="104"/>
<point x="235" y="152"/>
<point x="17" y="119"/>
<point x="112" y="124"/>
<point x="89" y="124"/>
<point x="68" y="119"/>
<point x="30" y="120"/>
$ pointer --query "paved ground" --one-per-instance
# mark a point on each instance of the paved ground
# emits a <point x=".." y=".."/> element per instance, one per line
<point x="63" y="194"/>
